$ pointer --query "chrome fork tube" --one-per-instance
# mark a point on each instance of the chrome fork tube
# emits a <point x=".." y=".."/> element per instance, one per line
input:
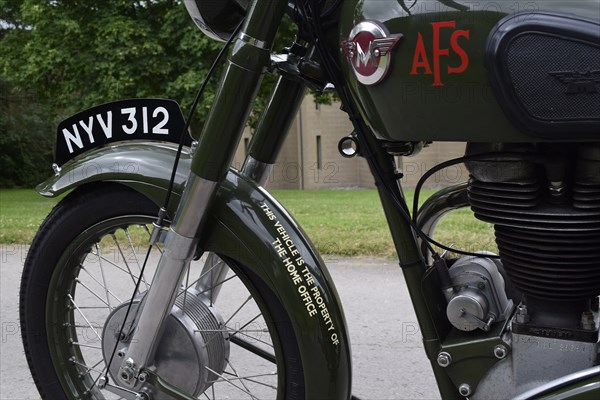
<point x="256" y="170"/>
<point x="179" y="248"/>
<point x="215" y="270"/>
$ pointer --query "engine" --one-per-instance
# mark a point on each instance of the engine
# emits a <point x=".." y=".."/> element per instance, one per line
<point x="546" y="215"/>
<point x="545" y="208"/>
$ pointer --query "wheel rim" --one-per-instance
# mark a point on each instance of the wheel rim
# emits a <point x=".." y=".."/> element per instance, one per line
<point x="97" y="273"/>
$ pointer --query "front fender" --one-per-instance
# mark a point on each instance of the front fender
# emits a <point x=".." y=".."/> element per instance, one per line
<point x="144" y="166"/>
<point x="247" y="225"/>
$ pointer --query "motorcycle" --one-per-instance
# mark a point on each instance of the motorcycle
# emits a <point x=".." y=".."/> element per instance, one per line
<point x="260" y="317"/>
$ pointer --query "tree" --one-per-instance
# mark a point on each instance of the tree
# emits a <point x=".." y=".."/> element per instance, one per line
<point x="26" y="153"/>
<point x="77" y="54"/>
<point x="71" y="55"/>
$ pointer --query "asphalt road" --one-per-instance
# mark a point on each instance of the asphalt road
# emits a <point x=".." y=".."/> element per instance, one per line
<point x="388" y="357"/>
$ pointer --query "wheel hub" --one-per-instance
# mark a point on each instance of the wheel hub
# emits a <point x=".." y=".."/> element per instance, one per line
<point x="192" y="346"/>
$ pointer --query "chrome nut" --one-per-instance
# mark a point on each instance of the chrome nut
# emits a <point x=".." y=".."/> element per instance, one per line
<point x="444" y="359"/>
<point x="500" y="351"/>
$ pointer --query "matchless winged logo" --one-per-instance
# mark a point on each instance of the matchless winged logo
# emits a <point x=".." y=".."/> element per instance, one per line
<point x="368" y="50"/>
<point x="377" y="48"/>
<point x="577" y="81"/>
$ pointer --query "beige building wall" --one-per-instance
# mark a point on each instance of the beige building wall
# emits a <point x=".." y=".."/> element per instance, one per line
<point x="310" y="159"/>
<point x="322" y="127"/>
<point x="414" y="167"/>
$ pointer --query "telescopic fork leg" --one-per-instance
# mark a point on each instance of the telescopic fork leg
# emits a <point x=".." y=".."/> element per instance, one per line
<point x="248" y="60"/>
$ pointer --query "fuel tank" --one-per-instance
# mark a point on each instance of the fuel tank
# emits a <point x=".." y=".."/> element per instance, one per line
<point x="477" y="71"/>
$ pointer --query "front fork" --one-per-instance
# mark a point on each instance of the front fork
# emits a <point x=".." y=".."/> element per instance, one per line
<point x="248" y="59"/>
<point x="263" y="150"/>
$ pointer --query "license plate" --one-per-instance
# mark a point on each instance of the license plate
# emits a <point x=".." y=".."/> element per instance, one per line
<point x="135" y="119"/>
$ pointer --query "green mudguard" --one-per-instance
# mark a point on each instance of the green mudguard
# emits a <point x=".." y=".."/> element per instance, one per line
<point x="249" y="226"/>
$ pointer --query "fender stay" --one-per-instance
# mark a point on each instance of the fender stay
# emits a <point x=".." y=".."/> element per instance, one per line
<point x="249" y="226"/>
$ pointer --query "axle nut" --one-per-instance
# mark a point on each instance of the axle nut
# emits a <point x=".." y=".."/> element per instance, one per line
<point x="464" y="389"/>
<point x="500" y="351"/>
<point x="126" y="374"/>
<point x="444" y="359"/>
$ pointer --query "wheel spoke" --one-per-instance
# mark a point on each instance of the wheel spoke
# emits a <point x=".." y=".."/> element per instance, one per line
<point x="98" y="282"/>
<point x="135" y="256"/>
<point x="254" y="349"/>
<point x="87" y="369"/>
<point x="84" y="317"/>
<point x="217" y="270"/>
<point x="250" y="378"/>
<point x="133" y="278"/>
<point x="237" y="376"/>
<point x="150" y="235"/>
<point x="93" y="293"/>
<point x="105" y="286"/>
<point x="218" y="284"/>
<point x="86" y="345"/>
<point x="98" y="294"/>
<point x="245" y="325"/>
<point x="229" y="381"/>
<point x="238" y="310"/>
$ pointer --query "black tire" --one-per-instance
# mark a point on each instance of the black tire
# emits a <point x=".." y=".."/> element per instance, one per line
<point x="61" y="309"/>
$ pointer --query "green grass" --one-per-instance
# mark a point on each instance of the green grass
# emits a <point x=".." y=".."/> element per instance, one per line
<point x="339" y="222"/>
<point x="21" y="213"/>
<point x="351" y="222"/>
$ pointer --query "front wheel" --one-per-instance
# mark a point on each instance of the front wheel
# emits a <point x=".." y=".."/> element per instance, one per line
<point x="79" y="280"/>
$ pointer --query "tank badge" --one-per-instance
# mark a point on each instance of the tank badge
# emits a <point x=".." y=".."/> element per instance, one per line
<point x="578" y="82"/>
<point x="368" y="50"/>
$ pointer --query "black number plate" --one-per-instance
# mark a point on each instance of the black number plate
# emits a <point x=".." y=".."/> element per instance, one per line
<point x="145" y="119"/>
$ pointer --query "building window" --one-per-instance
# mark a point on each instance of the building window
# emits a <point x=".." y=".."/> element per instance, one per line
<point x="319" y="154"/>
<point x="317" y="106"/>
<point x="246" y="143"/>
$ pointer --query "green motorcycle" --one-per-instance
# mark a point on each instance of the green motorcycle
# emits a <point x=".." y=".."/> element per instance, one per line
<point x="227" y="297"/>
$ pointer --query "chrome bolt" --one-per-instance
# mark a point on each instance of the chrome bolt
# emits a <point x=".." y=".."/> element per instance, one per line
<point x="587" y="321"/>
<point x="500" y="351"/>
<point x="523" y="314"/>
<point x="444" y="359"/>
<point x="193" y="147"/>
<point x="126" y="374"/>
<point x="102" y="382"/>
<point x="56" y="169"/>
<point x="142" y="377"/>
<point x="464" y="389"/>
<point x="130" y="363"/>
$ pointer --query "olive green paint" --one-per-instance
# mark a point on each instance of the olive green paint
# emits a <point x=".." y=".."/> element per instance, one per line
<point x="406" y="107"/>
<point x="238" y="88"/>
<point x="239" y="229"/>
<point x="275" y="123"/>
<point x="472" y="353"/>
